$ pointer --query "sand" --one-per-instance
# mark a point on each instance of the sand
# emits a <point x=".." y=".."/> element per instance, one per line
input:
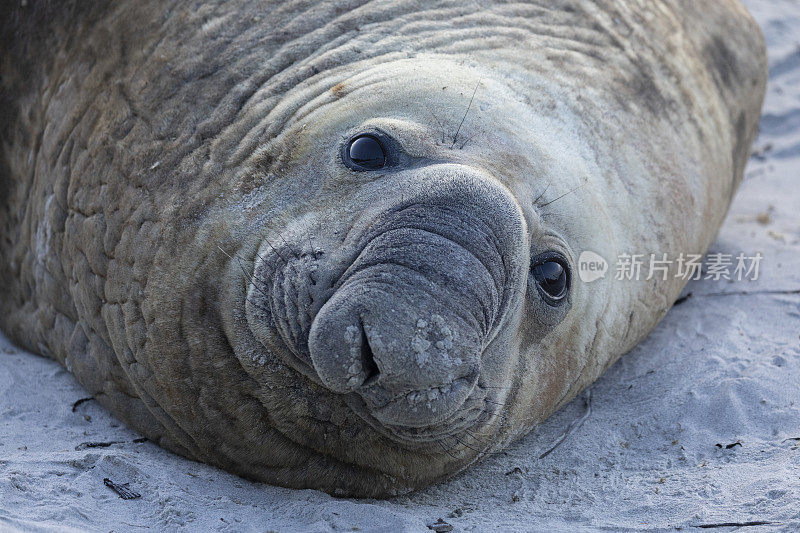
<point x="697" y="426"/>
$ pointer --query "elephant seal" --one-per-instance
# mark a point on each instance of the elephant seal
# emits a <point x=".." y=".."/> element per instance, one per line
<point x="333" y="244"/>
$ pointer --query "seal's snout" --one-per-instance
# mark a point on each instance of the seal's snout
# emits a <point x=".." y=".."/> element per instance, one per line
<point x="407" y="323"/>
<point x="407" y="327"/>
<point x="400" y="341"/>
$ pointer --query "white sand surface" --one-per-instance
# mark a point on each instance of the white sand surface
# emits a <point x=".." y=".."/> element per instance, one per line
<point x="722" y="368"/>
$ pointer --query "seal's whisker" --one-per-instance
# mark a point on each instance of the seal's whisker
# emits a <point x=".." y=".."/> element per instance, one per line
<point x="562" y="196"/>
<point x="257" y="281"/>
<point x="466" y="445"/>
<point x="274" y="250"/>
<point x="258" y="306"/>
<point x="542" y="194"/>
<point x="244" y="271"/>
<point x="455" y="137"/>
<point x="441" y="126"/>
<point x="493" y="402"/>
<point x="463" y="144"/>
<point x="446" y="449"/>
<point x="587" y="402"/>
<point x="224" y="252"/>
<point x="492" y="412"/>
<point x="261" y="286"/>
<point x="280" y="235"/>
<point x="471" y="435"/>
<point x="259" y="256"/>
<point x="258" y="286"/>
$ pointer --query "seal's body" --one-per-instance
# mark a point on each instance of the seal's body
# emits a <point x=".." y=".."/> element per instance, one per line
<point x="334" y="244"/>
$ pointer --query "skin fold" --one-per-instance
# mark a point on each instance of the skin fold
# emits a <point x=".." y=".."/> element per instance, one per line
<point x="181" y="229"/>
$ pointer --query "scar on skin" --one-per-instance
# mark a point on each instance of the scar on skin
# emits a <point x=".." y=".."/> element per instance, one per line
<point x="338" y="90"/>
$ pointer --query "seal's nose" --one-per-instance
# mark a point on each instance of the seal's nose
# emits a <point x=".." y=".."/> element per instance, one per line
<point x="404" y="336"/>
<point x="407" y="324"/>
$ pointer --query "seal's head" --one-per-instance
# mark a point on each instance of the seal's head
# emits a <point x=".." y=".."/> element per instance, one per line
<point x="409" y="307"/>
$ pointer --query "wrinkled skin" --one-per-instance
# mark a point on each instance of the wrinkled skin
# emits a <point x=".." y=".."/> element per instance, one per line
<point x="181" y="231"/>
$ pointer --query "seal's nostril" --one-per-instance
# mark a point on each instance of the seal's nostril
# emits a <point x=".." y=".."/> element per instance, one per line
<point x="370" y="368"/>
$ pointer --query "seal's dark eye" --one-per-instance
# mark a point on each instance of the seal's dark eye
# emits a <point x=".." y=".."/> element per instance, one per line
<point x="365" y="153"/>
<point x="551" y="278"/>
